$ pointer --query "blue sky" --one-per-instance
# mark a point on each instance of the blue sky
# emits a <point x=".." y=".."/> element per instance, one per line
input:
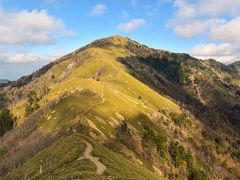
<point x="34" y="32"/>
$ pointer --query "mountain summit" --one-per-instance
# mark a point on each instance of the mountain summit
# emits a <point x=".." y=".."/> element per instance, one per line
<point x="116" y="109"/>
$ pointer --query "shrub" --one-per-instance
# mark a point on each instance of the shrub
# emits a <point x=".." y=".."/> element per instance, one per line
<point x="148" y="135"/>
<point x="185" y="76"/>
<point x="180" y="156"/>
<point x="179" y="119"/>
<point x="19" y="154"/>
<point x="2" y="152"/>
<point x="124" y="136"/>
<point x="6" y="121"/>
<point x="159" y="140"/>
<point x="197" y="175"/>
<point x="32" y="103"/>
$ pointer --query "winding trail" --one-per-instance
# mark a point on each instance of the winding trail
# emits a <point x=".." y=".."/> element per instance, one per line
<point x="87" y="155"/>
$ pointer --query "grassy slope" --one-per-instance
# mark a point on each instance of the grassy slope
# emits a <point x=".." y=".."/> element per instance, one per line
<point x="116" y="80"/>
<point x="114" y="98"/>
<point x="101" y="106"/>
<point x="60" y="162"/>
<point x="119" y="90"/>
<point x="18" y="108"/>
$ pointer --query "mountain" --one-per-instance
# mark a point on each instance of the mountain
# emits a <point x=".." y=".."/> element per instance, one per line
<point x="116" y="109"/>
<point x="4" y="82"/>
<point x="235" y="67"/>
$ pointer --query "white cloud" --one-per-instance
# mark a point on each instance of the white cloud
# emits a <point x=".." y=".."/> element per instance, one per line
<point x="30" y="27"/>
<point x="220" y="20"/>
<point x="23" y="57"/>
<point x="216" y="8"/>
<point x="184" y="9"/>
<point x="225" y="53"/>
<point x="212" y="50"/>
<point x="99" y="9"/>
<point x="27" y="58"/>
<point x="131" y="25"/>
<point x="229" y="31"/>
<point x="217" y="21"/>
<point x="189" y="8"/>
<point x="190" y="28"/>
<point x="30" y="57"/>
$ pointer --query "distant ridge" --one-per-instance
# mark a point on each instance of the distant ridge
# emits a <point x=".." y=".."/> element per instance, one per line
<point x="4" y="82"/>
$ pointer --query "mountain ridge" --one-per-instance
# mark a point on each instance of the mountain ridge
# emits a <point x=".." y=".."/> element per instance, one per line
<point x="149" y="114"/>
<point x="115" y="40"/>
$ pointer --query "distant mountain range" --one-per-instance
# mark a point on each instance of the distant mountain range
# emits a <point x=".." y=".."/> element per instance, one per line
<point x="116" y="109"/>
<point x="4" y="82"/>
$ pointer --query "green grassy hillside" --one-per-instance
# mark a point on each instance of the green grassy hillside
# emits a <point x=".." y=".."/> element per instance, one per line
<point x="92" y="96"/>
<point x="60" y="161"/>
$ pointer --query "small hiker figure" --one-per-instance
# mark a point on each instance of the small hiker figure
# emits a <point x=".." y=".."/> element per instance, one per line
<point x="140" y="98"/>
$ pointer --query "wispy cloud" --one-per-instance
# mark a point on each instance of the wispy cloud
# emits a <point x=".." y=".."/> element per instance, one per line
<point x="131" y="25"/>
<point x="99" y="9"/>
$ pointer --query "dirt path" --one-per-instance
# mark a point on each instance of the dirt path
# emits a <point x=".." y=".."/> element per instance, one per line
<point x="87" y="155"/>
<point x="93" y="105"/>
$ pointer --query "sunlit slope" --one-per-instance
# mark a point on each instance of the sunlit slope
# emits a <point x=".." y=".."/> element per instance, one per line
<point x="114" y="80"/>
<point x="116" y="92"/>
<point x="100" y="73"/>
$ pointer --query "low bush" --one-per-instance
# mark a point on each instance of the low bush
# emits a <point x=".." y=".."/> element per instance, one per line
<point x="20" y="154"/>
<point x="159" y="140"/>
<point x="123" y="135"/>
<point x="32" y="103"/>
<point x="6" y="121"/>
<point x="180" y="120"/>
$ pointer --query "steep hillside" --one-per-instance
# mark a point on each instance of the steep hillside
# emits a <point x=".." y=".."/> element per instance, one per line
<point x="203" y="86"/>
<point x="235" y="67"/>
<point x="116" y="109"/>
